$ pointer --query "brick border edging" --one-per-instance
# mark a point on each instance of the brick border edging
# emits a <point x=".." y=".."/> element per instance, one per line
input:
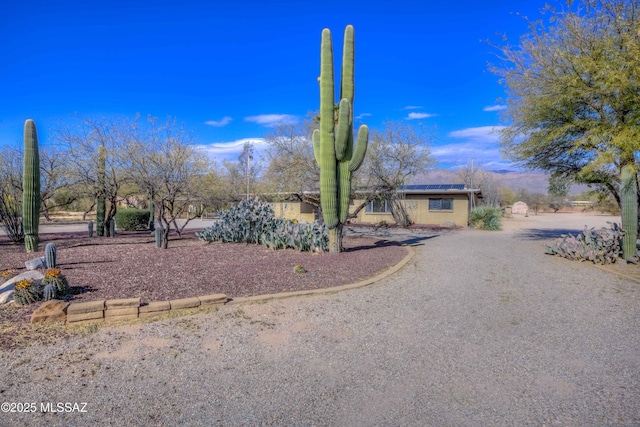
<point x="122" y="309"/>
<point x="131" y="308"/>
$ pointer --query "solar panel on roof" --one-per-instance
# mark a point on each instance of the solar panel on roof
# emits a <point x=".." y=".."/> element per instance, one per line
<point x="427" y="187"/>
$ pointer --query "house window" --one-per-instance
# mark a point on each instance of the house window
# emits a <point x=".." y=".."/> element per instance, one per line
<point x="440" y="204"/>
<point x="378" y="206"/>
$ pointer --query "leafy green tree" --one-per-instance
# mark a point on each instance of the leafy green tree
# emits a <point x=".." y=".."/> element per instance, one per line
<point x="559" y="187"/>
<point x="573" y="97"/>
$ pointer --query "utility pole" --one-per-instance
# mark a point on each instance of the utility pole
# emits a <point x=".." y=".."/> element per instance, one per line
<point x="473" y="198"/>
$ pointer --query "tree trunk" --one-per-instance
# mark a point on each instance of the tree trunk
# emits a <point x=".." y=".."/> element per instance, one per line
<point x="335" y="239"/>
<point x="165" y="236"/>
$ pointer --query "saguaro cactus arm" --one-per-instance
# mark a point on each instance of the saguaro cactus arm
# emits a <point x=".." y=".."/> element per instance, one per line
<point x="361" y="148"/>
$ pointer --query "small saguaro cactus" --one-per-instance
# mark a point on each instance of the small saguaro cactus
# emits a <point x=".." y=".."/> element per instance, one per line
<point x="151" y="225"/>
<point x="31" y="187"/>
<point x="100" y="202"/>
<point x="158" y="232"/>
<point x="90" y="228"/>
<point x="333" y="144"/>
<point x="50" y="255"/>
<point x="629" y="201"/>
<point x="48" y="292"/>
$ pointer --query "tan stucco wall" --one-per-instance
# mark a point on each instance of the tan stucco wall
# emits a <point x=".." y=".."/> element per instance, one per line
<point x="418" y="209"/>
<point x="293" y="210"/>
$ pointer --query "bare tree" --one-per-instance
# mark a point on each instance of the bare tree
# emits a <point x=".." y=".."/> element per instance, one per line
<point x="292" y="167"/>
<point x="475" y="176"/>
<point x="57" y="186"/>
<point x="11" y="193"/>
<point x="395" y="153"/>
<point x="83" y="143"/>
<point x="166" y="166"/>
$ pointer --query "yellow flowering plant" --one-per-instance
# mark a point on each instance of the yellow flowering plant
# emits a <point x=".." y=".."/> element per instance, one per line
<point x="54" y="276"/>
<point x="27" y="291"/>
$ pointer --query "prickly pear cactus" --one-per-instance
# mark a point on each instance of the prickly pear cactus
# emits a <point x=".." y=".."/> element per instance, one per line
<point x="253" y="221"/>
<point x="602" y="246"/>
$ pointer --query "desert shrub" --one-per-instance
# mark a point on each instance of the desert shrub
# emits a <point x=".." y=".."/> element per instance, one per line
<point x="602" y="246"/>
<point x="253" y="221"/>
<point x="132" y="219"/>
<point x="486" y="218"/>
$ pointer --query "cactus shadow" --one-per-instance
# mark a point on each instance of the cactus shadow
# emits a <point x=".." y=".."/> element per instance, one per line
<point x="413" y="241"/>
<point x="546" y="233"/>
<point x="79" y="290"/>
<point x="69" y="265"/>
<point x="416" y="240"/>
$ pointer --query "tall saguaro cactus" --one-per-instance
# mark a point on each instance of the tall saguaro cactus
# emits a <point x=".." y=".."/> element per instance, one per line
<point x="31" y="187"/>
<point x="333" y="144"/>
<point x="101" y="205"/>
<point x="629" y="199"/>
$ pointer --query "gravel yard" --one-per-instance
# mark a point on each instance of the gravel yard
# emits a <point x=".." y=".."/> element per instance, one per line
<point x="480" y="328"/>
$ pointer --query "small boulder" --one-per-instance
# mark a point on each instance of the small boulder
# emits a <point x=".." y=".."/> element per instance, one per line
<point x="34" y="264"/>
<point x="50" y="311"/>
<point x="6" y="294"/>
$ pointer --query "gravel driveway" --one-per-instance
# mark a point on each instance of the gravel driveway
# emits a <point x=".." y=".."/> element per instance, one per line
<point x="480" y="328"/>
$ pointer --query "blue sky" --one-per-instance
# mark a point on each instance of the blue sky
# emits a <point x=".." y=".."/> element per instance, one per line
<point x="229" y="70"/>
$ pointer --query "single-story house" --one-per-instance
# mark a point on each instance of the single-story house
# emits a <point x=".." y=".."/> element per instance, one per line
<point x="426" y="204"/>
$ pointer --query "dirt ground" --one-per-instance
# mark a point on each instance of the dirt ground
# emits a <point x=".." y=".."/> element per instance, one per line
<point x="549" y="226"/>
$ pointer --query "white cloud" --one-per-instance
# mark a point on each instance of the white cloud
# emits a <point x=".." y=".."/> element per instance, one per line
<point x="413" y="116"/>
<point x="494" y="108"/>
<point x="232" y="149"/>
<point x="271" y="119"/>
<point x="460" y="154"/>
<point x="363" y="115"/>
<point x="478" y="143"/>
<point x="219" y="123"/>
<point x="482" y="134"/>
<point x="412" y="107"/>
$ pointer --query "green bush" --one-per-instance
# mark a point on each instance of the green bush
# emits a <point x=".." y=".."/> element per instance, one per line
<point x="486" y="218"/>
<point x="132" y="219"/>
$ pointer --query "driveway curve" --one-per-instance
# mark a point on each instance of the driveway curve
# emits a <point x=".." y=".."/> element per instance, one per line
<point x="480" y="328"/>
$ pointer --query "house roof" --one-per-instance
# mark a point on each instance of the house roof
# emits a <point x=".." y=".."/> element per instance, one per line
<point x="437" y="189"/>
<point x="440" y="189"/>
<point x="424" y="187"/>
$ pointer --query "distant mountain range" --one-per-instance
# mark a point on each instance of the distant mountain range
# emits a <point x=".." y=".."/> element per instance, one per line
<point x="533" y="182"/>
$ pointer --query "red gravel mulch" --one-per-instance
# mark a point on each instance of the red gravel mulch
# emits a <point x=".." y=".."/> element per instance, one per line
<point x="129" y="265"/>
